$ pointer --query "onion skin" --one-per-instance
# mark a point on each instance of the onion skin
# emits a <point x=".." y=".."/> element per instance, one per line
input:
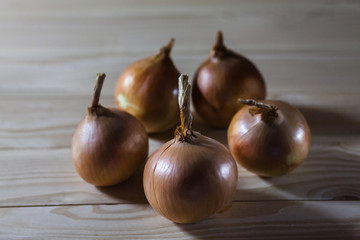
<point x="108" y="146"/>
<point x="265" y="149"/>
<point x="190" y="177"/>
<point x="147" y="89"/>
<point x="190" y="181"/>
<point x="220" y="81"/>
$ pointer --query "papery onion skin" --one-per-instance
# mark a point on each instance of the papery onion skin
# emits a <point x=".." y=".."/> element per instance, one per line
<point x="106" y="155"/>
<point x="187" y="182"/>
<point x="220" y="81"/>
<point x="269" y="150"/>
<point x="190" y="177"/>
<point x="108" y="146"/>
<point x="147" y="89"/>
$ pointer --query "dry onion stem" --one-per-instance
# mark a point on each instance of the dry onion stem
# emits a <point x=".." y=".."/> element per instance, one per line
<point x="268" y="112"/>
<point x="184" y="130"/>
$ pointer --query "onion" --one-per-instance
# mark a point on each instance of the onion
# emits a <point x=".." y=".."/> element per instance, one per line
<point x="270" y="139"/>
<point x="192" y="176"/>
<point x="147" y="89"/>
<point x="108" y="144"/>
<point x="221" y="80"/>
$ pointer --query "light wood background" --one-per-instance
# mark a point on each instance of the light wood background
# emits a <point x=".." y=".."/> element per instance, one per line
<point x="50" y="51"/>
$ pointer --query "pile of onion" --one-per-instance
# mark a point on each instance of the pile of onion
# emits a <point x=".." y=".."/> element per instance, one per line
<point x="147" y="89"/>
<point x="192" y="176"/>
<point x="221" y="80"/>
<point x="108" y="144"/>
<point x="269" y="138"/>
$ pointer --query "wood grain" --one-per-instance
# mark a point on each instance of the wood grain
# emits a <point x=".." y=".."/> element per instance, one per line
<point x="47" y="177"/>
<point x="331" y="170"/>
<point x="245" y="220"/>
<point x="47" y="121"/>
<point x="57" y="48"/>
<point x="50" y="52"/>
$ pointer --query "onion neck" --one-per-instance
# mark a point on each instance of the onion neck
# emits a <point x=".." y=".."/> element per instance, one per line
<point x="268" y="113"/>
<point x="219" y="49"/>
<point x="165" y="50"/>
<point x="184" y="131"/>
<point x="93" y="109"/>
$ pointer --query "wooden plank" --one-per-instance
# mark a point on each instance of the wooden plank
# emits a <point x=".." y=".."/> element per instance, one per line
<point x="49" y="54"/>
<point x="271" y="25"/>
<point x="55" y="48"/>
<point x="47" y="177"/>
<point x="75" y="76"/>
<point x="46" y="121"/>
<point x="40" y="176"/>
<point x="245" y="220"/>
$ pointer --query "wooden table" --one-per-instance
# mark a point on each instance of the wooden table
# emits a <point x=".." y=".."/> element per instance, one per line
<point x="50" y="51"/>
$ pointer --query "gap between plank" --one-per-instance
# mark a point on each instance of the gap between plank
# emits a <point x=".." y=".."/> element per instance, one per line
<point x="126" y="203"/>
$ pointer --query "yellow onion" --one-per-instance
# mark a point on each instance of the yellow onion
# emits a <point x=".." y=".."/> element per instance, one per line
<point x="192" y="176"/>
<point x="108" y="144"/>
<point x="147" y="89"/>
<point x="221" y="80"/>
<point x="269" y="138"/>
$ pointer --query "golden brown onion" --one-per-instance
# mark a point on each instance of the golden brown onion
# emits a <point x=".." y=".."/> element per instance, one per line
<point x="270" y="139"/>
<point x="108" y="144"/>
<point x="192" y="176"/>
<point x="221" y="80"/>
<point x="147" y="89"/>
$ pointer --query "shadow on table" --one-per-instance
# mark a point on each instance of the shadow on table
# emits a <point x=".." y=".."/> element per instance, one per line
<point x="131" y="190"/>
<point x="326" y="121"/>
<point x="309" y="182"/>
<point x="274" y="220"/>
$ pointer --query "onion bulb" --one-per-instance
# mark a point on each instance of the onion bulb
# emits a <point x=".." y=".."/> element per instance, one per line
<point x="192" y="176"/>
<point x="147" y="89"/>
<point x="221" y="80"/>
<point x="109" y="144"/>
<point x="269" y="138"/>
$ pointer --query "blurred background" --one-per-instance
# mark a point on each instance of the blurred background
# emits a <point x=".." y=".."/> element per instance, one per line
<point x="56" y="47"/>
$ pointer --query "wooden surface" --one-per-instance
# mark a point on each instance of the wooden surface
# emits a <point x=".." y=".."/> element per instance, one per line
<point x="50" y="51"/>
